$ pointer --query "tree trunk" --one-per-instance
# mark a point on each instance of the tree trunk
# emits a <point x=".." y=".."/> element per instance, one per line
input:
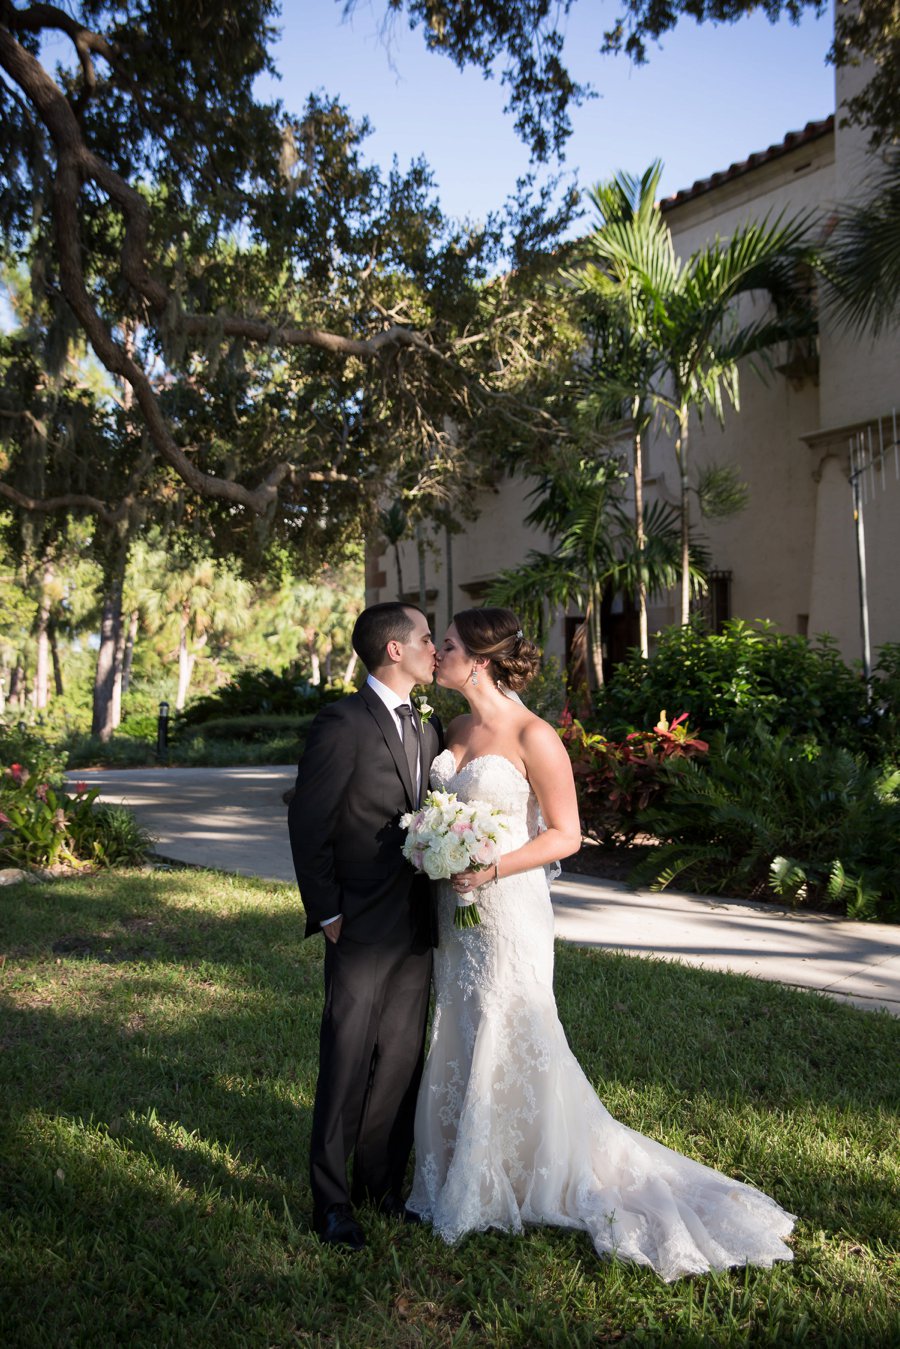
<point x="17" y="685"/>
<point x="102" y="723"/>
<point x="121" y="640"/>
<point x="185" y="659"/>
<point x="312" y="655"/>
<point x="640" y="539"/>
<point x="448" y="548"/>
<point x="399" y="569"/>
<point x="681" y="454"/>
<point x="129" y="649"/>
<point x="423" y="580"/>
<point x="57" y="664"/>
<point x="4" y="669"/>
<point x="42" y="634"/>
<point x="351" y="666"/>
<point x="595" y="640"/>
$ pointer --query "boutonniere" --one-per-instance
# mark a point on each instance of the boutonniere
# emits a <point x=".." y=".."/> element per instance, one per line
<point x="423" y="707"/>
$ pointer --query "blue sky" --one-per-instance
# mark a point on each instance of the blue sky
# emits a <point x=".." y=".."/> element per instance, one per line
<point x="707" y="97"/>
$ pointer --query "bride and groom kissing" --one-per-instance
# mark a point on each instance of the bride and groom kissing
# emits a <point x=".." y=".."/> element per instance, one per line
<point x="508" y="1131"/>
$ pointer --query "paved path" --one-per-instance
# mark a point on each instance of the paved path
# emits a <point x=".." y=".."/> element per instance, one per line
<point x="233" y="819"/>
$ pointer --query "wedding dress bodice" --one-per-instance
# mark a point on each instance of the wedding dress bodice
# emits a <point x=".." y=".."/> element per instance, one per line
<point x="496" y="780"/>
<point x="509" y="1130"/>
<point x="515" y="937"/>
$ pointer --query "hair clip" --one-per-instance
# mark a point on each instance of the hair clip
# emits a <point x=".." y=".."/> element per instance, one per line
<point x="519" y="634"/>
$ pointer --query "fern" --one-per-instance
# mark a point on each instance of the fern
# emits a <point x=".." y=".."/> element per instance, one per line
<point x="820" y="828"/>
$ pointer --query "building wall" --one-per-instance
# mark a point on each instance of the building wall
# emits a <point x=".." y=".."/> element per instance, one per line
<point x="792" y="552"/>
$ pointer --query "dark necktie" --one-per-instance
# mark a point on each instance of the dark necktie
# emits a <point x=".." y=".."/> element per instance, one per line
<point x="410" y="745"/>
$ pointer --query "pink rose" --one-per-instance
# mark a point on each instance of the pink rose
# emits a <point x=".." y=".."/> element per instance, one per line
<point x="80" y="788"/>
<point x="485" y="852"/>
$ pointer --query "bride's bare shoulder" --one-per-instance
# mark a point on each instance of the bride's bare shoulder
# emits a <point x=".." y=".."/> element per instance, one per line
<point x="458" y="729"/>
<point x="539" y="740"/>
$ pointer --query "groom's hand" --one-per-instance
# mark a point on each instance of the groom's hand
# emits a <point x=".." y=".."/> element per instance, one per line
<point x="332" y="930"/>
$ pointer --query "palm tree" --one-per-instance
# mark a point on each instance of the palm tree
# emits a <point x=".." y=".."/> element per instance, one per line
<point x="581" y="506"/>
<point x="623" y="364"/>
<point x="186" y="602"/>
<point x="681" y="316"/>
<point x="861" y="260"/>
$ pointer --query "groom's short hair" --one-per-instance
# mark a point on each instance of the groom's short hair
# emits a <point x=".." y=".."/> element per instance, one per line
<point x="378" y="625"/>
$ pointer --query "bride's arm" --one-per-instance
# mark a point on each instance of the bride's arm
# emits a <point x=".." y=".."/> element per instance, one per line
<point x="550" y="773"/>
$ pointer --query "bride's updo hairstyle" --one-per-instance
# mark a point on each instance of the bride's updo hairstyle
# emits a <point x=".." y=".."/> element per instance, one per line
<point x="496" y="635"/>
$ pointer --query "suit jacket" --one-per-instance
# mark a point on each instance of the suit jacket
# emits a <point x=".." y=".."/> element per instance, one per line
<point x="353" y="784"/>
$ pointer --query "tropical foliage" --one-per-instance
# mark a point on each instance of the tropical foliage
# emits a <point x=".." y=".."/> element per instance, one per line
<point x="750" y="674"/>
<point x="617" y="781"/>
<point x="680" y="334"/>
<point x="861" y="258"/>
<point x="581" y="505"/>
<point x="44" y="824"/>
<point x="769" y="817"/>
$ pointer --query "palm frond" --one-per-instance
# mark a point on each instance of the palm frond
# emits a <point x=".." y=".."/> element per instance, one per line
<point x="861" y="262"/>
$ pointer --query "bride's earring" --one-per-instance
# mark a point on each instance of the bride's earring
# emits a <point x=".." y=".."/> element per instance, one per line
<point x="474" y="674"/>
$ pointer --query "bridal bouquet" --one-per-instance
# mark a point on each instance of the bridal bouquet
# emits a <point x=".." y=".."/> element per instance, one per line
<point x="446" y="836"/>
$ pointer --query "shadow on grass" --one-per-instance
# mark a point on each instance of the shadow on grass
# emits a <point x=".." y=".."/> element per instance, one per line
<point x="178" y="1036"/>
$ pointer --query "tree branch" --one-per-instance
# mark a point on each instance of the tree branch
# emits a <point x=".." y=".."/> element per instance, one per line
<point x="69" y="501"/>
<point x="77" y="164"/>
<point x="41" y="16"/>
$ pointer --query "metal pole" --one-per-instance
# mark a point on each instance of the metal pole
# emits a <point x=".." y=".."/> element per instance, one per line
<point x="861" y="568"/>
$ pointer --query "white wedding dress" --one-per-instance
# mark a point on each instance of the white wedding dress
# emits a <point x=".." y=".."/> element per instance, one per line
<point x="509" y="1130"/>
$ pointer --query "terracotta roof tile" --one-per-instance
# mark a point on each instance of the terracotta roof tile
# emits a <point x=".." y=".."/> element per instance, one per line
<point x="813" y="131"/>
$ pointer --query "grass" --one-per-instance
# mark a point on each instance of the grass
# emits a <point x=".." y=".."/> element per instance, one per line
<point x="159" y="1036"/>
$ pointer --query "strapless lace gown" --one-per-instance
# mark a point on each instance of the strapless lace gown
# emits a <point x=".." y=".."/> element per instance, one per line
<point x="509" y="1130"/>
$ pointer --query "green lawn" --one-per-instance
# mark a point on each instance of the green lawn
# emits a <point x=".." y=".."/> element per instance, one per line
<point x="159" y="1039"/>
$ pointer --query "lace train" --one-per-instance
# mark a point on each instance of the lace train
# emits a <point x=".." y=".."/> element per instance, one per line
<point x="509" y="1130"/>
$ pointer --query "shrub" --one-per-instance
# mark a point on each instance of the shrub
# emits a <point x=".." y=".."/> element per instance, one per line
<point x="40" y="823"/>
<point x="44" y="761"/>
<point x="266" y="727"/>
<point x="770" y="818"/>
<point x="111" y="836"/>
<point x="886" y="700"/>
<point x="253" y="693"/>
<point x="616" y="781"/>
<point x="198" y="752"/>
<point x="747" y="676"/>
<point x="122" y="751"/>
<point x="140" y="726"/>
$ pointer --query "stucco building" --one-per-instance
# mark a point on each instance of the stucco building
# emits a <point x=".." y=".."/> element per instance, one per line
<point x="791" y="554"/>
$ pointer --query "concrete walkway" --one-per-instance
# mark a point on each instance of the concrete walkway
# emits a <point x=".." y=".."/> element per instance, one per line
<point x="233" y="819"/>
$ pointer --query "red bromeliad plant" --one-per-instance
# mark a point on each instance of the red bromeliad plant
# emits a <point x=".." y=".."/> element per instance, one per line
<point x="617" y="780"/>
<point x="40" y="822"/>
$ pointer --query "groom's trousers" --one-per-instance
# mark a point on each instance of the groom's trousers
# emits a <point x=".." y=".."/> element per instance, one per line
<point x="370" y="1063"/>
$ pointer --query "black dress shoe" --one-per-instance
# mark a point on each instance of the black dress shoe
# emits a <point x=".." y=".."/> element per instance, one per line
<point x="393" y="1207"/>
<point x="340" y="1228"/>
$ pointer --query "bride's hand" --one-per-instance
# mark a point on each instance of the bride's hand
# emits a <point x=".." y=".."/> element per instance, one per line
<point x="464" y="882"/>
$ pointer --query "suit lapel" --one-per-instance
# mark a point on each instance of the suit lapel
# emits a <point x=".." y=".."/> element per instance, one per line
<point x="388" y="728"/>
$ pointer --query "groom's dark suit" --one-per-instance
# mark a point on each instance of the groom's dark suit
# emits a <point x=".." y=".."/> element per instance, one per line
<point x="353" y="784"/>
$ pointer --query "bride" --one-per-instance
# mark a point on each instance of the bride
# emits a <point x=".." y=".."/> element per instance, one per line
<point x="508" y="1129"/>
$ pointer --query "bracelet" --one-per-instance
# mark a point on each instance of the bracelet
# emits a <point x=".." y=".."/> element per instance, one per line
<point x="497" y="870"/>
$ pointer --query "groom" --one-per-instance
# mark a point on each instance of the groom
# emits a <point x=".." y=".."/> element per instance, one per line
<point x="366" y="762"/>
